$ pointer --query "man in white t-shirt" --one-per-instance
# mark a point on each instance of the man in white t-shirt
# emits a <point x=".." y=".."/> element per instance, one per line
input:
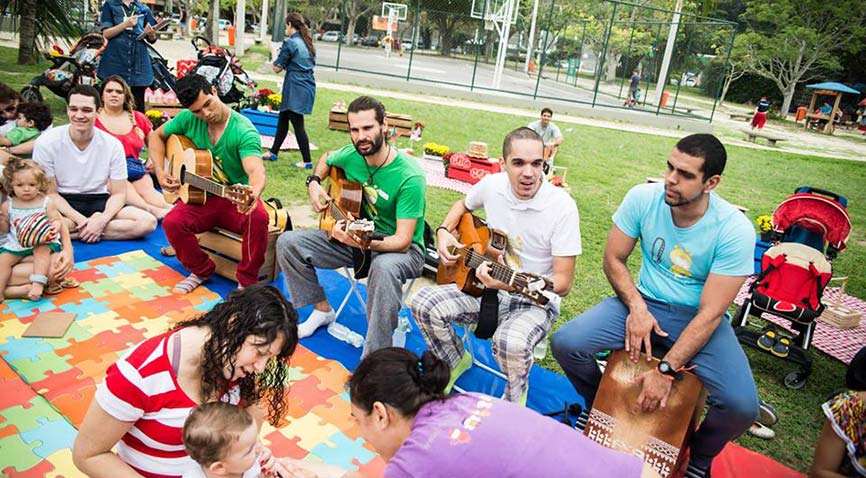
<point x="549" y="133"/>
<point x="542" y="224"/>
<point x="87" y="170"/>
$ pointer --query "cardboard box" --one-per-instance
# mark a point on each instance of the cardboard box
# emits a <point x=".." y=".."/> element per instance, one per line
<point x="225" y="249"/>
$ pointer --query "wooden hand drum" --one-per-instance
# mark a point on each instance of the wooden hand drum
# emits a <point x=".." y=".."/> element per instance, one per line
<point x="660" y="438"/>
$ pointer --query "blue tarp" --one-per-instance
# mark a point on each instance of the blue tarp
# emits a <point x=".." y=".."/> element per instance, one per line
<point x="548" y="391"/>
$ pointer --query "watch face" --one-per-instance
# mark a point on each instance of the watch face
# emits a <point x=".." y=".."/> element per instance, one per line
<point x="664" y="367"/>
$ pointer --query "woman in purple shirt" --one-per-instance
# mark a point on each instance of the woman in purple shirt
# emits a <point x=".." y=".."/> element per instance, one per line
<point x="399" y="404"/>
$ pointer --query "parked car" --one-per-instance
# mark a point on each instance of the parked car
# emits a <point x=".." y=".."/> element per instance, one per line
<point x="223" y="24"/>
<point x="332" y="35"/>
<point x="406" y="44"/>
<point x="371" y="40"/>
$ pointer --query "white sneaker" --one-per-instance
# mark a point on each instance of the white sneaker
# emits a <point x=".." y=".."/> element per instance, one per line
<point x="314" y="321"/>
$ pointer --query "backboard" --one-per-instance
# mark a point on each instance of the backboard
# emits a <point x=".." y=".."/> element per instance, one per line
<point x="494" y="10"/>
<point x="399" y="10"/>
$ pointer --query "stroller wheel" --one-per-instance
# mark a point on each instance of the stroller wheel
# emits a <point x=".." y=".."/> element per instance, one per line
<point x="31" y="94"/>
<point x="795" y="380"/>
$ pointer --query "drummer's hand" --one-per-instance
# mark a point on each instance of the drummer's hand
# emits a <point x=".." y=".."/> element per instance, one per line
<point x="639" y="324"/>
<point x="655" y="389"/>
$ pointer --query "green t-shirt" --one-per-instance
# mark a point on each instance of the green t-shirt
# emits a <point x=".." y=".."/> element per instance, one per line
<point x="239" y="140"/>
<point x="396" y="192"/>
<point x="18" y="135"/>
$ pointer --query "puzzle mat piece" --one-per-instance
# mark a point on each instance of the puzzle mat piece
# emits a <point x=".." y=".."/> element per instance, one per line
<point x="306" y="393"/>
<point x="307" y="361"/>
<point x="19" y="450"/>
<point x="342" y="452"/>
<point x="37" y="369"/>
<point x="103" y="343"/>
<point x="51" y="436"/>
<point x="373" y="468"/>
<point x="309" y="430"/>
<point x="281" y="446"/>
<point x="332" y="375"/>
<point x="337" y="412"/>
<point x="43" y="468"/>
<point x="15" y="393"/>
<point x="69" y="392"/>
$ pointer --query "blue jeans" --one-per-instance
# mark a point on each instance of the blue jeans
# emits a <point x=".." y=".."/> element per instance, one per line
<point x="722" y="367"/>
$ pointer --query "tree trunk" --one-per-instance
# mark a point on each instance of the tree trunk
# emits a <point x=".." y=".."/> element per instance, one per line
<point x="725" y="85"/>
<point x="27" y="33"/>
<point x="610" y="66"/>
<point x="786" y="102"/>
<point x="350" y="30"/>
<point x="213" y="28"/>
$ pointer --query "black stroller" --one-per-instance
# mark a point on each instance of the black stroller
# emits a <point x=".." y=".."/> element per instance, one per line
<point x="224" y="71"/>
<point x="76" y="68"/>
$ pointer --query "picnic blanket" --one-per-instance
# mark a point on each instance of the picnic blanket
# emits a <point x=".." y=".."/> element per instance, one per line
<point x="435" y="173"/>
<point x="291" y="142"/>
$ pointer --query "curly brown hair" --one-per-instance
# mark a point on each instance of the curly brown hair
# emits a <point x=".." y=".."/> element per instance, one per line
<point x="260" y="311"/>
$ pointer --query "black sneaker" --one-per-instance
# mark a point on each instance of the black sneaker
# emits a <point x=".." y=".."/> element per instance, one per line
<point x="767" y="414"/>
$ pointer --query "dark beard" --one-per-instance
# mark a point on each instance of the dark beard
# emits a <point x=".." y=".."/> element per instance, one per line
<point x="682" y="202"/>
<point x="377" y="145"/>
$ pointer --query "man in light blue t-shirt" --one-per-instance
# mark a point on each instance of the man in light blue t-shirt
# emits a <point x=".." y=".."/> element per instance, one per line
<point x="696" y="252"/>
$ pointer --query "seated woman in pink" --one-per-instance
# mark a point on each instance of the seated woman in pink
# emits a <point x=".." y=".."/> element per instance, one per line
<point x="119" y="118"/>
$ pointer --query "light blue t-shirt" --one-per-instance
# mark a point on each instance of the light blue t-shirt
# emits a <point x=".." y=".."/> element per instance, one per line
<point x="676" y="261"/>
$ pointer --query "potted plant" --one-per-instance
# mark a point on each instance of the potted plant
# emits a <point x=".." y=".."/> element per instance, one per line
<point x="156" y="117"/>
<point x="765" y="227"/>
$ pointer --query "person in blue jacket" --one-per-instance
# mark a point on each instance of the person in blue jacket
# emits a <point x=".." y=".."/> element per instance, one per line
<point x="122" y="23"/>
<point x="297" y="58"/>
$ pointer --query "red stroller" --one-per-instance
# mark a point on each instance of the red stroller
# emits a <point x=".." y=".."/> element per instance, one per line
<point x="811" y="227"/>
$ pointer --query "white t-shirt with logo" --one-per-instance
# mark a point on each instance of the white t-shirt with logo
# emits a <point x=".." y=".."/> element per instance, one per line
<point x="538" y="229"/>
<point x="80" y="171"/>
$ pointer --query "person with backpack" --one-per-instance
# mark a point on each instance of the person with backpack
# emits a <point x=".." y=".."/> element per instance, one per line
<point x="297" y="58"/>
<point x="696" y="252"/>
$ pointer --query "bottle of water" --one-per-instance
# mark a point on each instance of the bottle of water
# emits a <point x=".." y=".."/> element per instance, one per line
<point x="345" y="334"/>
<point x="540" y="350"/>
<point x="398" y="339"/>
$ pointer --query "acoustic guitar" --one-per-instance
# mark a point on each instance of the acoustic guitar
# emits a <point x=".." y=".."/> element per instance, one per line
<point x="346" y="197"/>
<point x="194" y="168"/>
<point x="483" y="244"/>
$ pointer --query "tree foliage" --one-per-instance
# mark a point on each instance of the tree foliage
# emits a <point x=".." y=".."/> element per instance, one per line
<point x="41" y="21"/>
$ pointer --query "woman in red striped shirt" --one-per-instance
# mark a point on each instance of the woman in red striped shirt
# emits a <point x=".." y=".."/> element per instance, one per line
<point x="232" y="354"/>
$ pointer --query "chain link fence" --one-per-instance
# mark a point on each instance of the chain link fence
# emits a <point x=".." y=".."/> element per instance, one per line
<point x="595" y="53"/>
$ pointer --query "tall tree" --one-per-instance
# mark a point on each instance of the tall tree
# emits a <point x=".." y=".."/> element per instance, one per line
<point x="793" y="41"/>
<point x="448" y="16"/>
<point x="40" y="20"/>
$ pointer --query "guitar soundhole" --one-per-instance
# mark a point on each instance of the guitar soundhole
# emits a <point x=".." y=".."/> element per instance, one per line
<point x="180" y="177"/>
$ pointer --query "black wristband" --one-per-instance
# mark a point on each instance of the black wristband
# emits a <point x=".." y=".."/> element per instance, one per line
<point x="313" y="179"/>
<point x="442" y="227"/>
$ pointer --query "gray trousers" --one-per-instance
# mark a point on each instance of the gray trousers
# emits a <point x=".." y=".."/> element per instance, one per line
<point x="300" y="252"/>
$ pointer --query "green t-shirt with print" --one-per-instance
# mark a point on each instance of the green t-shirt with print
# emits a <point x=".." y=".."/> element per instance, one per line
<point x="20" y="135"/>
<point x="397" y="190"/>
<point x="239" y="140"/>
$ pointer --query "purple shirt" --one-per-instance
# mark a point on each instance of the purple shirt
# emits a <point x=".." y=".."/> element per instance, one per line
<point x="476" y="435"/>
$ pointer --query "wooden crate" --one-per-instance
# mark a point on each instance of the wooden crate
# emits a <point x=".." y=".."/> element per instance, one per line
<point x="338" y="119"/>
<point x="835" y="312"/>
<point x="225" y="248"/>
<point x="171" y="109"/>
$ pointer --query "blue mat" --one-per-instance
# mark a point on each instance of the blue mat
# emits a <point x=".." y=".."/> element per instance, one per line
<point x="548" y="391"/>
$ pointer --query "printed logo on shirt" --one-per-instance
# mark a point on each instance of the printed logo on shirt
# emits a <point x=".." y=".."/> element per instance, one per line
<point x="461" y="436"/>
<point x="682" y="261"/>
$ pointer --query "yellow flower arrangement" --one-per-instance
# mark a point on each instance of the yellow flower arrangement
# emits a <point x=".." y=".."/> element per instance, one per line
<point x="436" y="149"/>
<point x="275" y="99"/>
<point x="156" y="117"/>
<point x="765" y="223"/>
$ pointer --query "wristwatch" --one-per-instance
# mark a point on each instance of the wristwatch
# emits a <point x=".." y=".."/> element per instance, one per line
<point x="665" y="368"/>
<point x="313" y="179"/>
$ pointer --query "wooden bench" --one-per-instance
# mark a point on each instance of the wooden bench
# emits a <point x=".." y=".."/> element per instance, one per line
<point x="651" y="179"/>
<point x="752" y="134"/>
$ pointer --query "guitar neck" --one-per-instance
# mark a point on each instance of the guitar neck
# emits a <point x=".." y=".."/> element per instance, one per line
<point x="205" y="184"/>
<point x="500" y="272"/>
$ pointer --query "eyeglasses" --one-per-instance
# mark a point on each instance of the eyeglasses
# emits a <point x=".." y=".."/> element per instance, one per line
<point x="10" y="108"/>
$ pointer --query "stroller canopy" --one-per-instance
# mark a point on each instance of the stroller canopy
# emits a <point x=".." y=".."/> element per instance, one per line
<point x="814" y="212"/>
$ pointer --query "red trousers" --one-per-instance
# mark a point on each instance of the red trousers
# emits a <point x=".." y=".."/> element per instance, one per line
<point x="759" y="120"/>
<point x="185" y="221"/>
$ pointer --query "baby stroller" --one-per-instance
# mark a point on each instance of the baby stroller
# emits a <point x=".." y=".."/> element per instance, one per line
<point x="76" y="68"/>
<point x="224" y="71"/>
<point x="811" y="227"/>
<point x="163" y="78"/>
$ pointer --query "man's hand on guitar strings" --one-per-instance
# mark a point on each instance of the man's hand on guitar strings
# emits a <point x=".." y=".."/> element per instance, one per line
<point x="250" y="206"/>
<point x="483" y="274"/>
<point x="169" y="183"/>
<point x="319" y="198"/>
<point x="350" y="239"/>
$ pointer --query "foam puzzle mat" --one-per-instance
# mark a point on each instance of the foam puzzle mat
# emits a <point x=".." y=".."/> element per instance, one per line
<point x="47" y="384"/>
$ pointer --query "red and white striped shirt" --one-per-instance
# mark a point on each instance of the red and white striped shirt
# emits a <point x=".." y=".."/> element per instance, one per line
<point x="141" y="387"/>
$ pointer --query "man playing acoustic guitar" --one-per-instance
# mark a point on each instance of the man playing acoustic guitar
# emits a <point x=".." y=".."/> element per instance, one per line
<point x="236" y="148"/>
<point x="543" y="229"/>
<point x="393" y="198"/>
<point x="696" y="251"/>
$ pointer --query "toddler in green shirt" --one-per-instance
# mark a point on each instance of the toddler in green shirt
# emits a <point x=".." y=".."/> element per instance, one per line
<point x="33" y="119"/>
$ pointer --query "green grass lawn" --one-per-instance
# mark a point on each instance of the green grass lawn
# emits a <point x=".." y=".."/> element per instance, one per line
<point x="602" y="165"/>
